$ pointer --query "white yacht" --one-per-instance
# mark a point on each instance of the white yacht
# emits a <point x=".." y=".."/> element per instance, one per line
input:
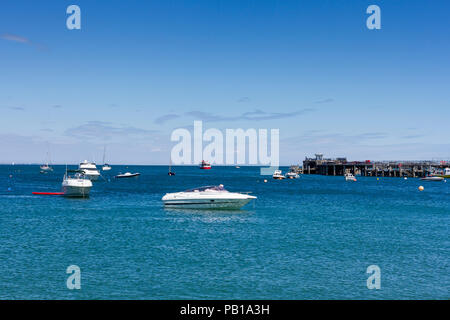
<point x="277" y="174"/>
<point x="292" y="175"/>
<point x="90" y="170"/>
<point x="209" y="197"/>
<point x="349" y="177"/>
<point x="76" y="185"/>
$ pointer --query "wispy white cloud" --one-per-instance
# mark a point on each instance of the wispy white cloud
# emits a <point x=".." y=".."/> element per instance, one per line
<point x="165" y="118"/>
<point x="23" y="40"/>
<point x="328" y="100"/>
<point x="15" y="108"/>
<point x="244" y="99"/>
<point x="106" y="131"/>
<point x="255" y="115"/>
<point x="15" y="38"/>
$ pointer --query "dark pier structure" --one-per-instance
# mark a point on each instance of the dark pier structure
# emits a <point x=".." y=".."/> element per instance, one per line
<point x="339" y="166"/>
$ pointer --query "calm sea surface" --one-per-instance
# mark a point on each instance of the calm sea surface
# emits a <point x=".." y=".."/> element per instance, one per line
<point x="310" y="238"/>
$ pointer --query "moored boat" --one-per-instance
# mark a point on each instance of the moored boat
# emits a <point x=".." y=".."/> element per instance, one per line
<point x="205" y="165"/>
<point x="349" y="177"/>
<point x="278" y="175"/>
<point x="127" y="175"/>
<point x="208" y="197"/>
<point x="45" y="168"/>
<point x="90" y="170"/>
<point x="170" y="173"/>
<point x="76" y="185"/>
<point x="292" y="175"/>
<point x="445" y="173"/>
<point x="105" y="167"/>
<point x="432" y="178"/>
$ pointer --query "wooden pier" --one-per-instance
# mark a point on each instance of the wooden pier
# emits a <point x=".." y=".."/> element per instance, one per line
<point x="339" y="166"/>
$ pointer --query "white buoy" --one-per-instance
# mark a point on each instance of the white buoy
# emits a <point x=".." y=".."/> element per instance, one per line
<point x="265" y="180"/>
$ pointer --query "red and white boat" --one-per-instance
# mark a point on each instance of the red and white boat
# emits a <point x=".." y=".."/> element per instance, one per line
<point x="205" y="165"/>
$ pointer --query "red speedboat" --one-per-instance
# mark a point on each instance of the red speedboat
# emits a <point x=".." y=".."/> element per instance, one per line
<point x="205" y="165"/>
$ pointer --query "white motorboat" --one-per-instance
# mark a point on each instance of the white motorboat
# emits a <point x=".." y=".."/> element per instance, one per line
<point x="433" y="178"/>
<point x="349" y="177"/>
<point x="292" y="175"/>
<point x="76" y="185"/>
<point x="209" y="197"/>
<point x="90" y="170"/>
<point x="127" y="175"/>
<point x="278" y="175"/>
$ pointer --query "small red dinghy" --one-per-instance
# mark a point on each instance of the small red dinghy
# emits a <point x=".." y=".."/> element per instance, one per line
<point x="49" y="193"/>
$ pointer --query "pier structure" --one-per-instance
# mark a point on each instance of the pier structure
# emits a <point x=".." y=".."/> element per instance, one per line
<point x="340" y="166"/>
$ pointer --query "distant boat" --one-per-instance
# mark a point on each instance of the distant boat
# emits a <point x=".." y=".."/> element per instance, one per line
<point x="127" y="175"/>
<point x="46" y="167"/>
<point x="349" y="177"/>
<point x="445" y="174"/>
<point x="292" y="175"/>
<point x="105" y="167"/>
<point x="90" y="170"/>
<point x="433" y="178"/>
<point x="278" y="175"/>
<point x="170" y="173"/>
<point x="205" y="165"/>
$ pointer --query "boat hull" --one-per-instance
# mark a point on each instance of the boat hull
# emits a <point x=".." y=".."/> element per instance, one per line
<point x="76" y="192"/>
<point x="222" y="204"/>
<point x="92" y="177"/>
<point x="433" y="179"/>
<point x="135" y="175"/>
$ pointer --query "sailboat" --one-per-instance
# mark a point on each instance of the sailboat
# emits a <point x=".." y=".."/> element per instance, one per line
<point x="46" y="167"/>
<point x="105" y="167"/>
<point x="170" y="173"/>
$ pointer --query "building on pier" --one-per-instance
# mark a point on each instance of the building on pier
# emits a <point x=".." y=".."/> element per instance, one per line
<point x="340" y="166"/>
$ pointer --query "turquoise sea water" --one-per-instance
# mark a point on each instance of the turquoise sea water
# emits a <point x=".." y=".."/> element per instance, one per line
<point x="310" y="238"/>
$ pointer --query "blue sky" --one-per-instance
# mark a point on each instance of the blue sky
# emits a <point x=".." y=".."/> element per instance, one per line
<point x="139" y="69"/>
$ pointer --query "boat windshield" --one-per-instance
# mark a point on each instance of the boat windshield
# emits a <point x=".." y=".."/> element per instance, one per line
<point x="207" y="188"/>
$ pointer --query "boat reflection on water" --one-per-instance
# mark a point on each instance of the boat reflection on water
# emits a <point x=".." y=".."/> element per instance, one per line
<point x="205" y="212"/>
